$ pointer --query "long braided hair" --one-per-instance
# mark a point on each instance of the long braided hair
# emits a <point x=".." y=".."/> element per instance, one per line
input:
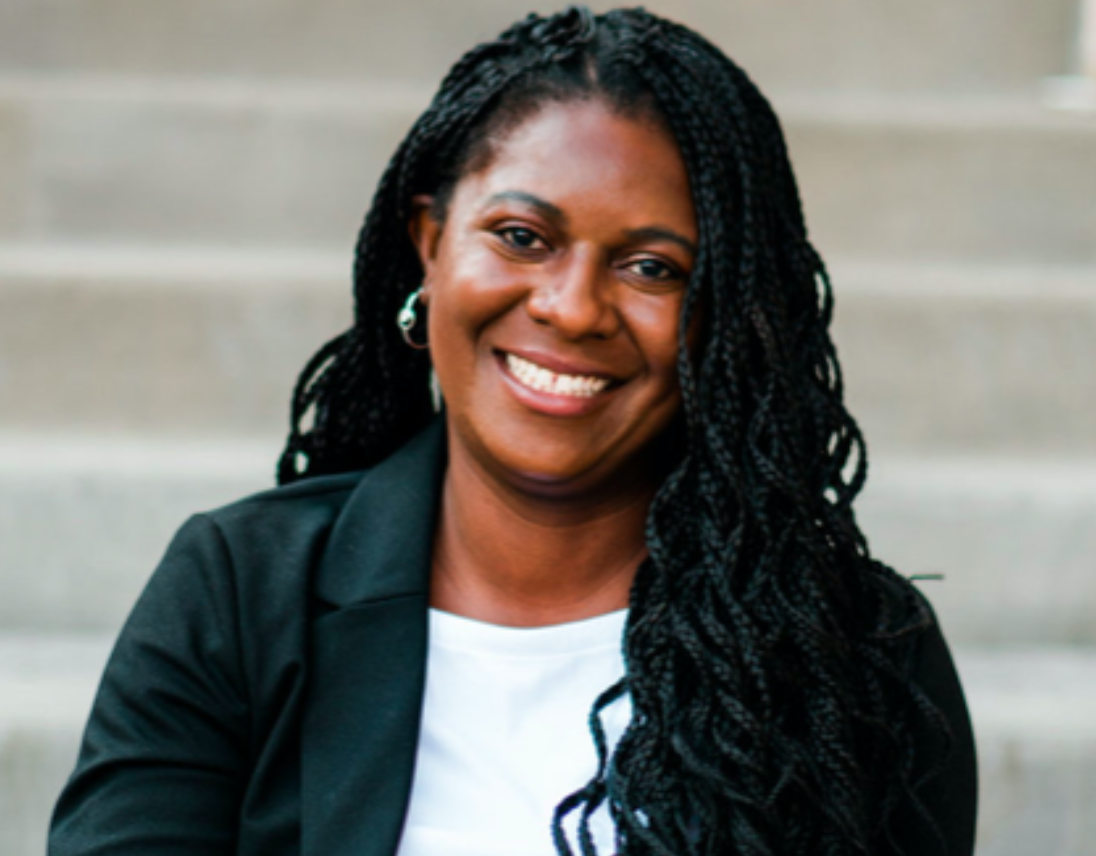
<point x="768" y="656"/>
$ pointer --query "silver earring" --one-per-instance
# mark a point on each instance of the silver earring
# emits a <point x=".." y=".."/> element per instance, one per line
<point x="408" y="318"/>
<point x="435" y="392"/>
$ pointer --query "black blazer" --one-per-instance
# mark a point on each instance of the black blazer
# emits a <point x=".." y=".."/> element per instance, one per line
<point x="264" y="696"/>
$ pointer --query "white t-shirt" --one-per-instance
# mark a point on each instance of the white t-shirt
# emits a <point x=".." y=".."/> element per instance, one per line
<point x="505" y="734"/>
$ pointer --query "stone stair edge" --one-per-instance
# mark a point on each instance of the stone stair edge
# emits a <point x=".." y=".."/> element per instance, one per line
<point x="298" y="94"/>
<point x="974" y="43"/>
<point x="141" y="263"/>
<point x="1010" y="687"/>
<point x="173" y="264"/>
<point x="140" y="456"/>
<point x="182" y="342"/>
<point x="1023" y="733"/>
<point x="1007" y="540"/>
<point x="217" y="91"/>
<point x="1054" y="674"/>
<point x="42" y="452"/>
<point x="256" y="175"/>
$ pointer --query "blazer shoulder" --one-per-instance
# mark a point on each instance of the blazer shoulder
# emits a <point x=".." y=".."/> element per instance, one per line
<point x="318" y="496"/>
<point x="287" y="512"/>
<point x="273" y="539"/>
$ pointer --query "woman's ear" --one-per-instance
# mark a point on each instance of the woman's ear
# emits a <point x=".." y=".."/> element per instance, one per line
<point x="425" y="230"/>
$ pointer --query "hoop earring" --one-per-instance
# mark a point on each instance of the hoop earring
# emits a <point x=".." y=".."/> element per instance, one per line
<point x="408" y="318"/>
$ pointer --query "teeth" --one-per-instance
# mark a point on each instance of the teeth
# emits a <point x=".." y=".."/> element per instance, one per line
<point x="539" y="378"/>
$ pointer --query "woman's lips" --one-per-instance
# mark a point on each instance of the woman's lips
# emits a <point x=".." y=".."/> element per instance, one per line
<point x="550" y="392"/>
<point x="539" y="378"/>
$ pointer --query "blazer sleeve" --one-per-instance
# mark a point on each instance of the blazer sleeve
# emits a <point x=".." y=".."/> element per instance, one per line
<point x="163" y="764"/>
<point x="951" y="797"/>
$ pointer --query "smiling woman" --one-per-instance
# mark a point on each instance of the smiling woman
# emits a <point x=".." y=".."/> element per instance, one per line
<point x="612" y="596"/>
<point x="554" y="297"/>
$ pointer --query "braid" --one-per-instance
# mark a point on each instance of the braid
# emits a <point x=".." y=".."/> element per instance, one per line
<point x="768" y="656"/>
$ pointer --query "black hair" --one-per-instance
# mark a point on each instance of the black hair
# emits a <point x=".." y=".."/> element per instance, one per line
<point x="768" y="656"/>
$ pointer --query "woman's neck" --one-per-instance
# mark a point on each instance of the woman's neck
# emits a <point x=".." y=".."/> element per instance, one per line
<point x="513" y="557"/>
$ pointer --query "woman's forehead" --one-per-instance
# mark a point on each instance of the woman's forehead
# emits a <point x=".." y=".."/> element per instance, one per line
<point x="567" y="152"/>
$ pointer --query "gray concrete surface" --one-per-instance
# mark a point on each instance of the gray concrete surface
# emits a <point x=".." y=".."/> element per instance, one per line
<point x="47" y="683"/>
<point x="1013" y="538"/>
<point x="183" y="344"/>
<point x="235" y="164"/>
<point x="953" y="358"/>
<point x="1034" y="711"/>
<point x="1035" y="720"/>
<point x="931" y="180"/>
<point x="180" y="186"/>
<point x="980" y="359"/>
<point x="83" y="523"/>
<point x="218" y="162"/>
<point x="957" y="46"/>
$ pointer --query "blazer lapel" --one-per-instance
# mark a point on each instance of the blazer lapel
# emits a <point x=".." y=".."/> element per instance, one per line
<point x="368" y="659"/>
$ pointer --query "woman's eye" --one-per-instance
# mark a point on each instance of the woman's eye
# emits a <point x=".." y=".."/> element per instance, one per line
<point x="521" y="239"/>
<point x="654" y="269"/>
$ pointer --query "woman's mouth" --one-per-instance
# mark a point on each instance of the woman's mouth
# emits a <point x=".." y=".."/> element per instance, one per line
<point x="540" y="379"/>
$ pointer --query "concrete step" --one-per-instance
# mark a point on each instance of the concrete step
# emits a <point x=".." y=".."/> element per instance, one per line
<point x="47" y="684"/>
<point x="294" y="164"/>
<point x="806" y="45"/>
<point x="185" y="161"/>
<point x="1034" y="712"/>
<point x="931" y="180"/>
<point x="1015" y="540"/>
<point x="202" y="342"/>
<point x="981" y="359"/>
<point x="83" y="523"/>
<point x="182" y="343"/>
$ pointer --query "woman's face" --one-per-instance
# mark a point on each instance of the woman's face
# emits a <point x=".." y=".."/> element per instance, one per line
<point x="553" y="289"/>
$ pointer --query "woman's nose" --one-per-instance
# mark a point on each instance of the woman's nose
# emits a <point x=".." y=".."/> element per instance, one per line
<point x="575" y="298"/>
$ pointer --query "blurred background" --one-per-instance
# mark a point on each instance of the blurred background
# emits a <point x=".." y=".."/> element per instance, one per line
<point x="181" y="185"/>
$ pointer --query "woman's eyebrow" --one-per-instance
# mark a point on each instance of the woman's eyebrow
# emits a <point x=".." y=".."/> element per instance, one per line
<point x="542" y="206"/>
<point x="552" y="212"/>
<point x="661" y="233"/>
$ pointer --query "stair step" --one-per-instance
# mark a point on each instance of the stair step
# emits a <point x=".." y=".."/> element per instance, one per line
<point x="986" y="359"/>
<point x="83" y="523"/>
<point x="188" y="161"/>
<point x="85" y="520"/>
<point x="207" y="342"/>
<point x="916" y="179"/>
<point x="1014" y="539"/>
<point x="1034" y="712"/>
<point x="47" y="684"/>
<point x="181" y="343"/>
<point x="805" y="45"/>
<point x="233" y="163"/>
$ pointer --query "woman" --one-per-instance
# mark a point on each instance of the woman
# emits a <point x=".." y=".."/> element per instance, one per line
<point x="593" y="237"/>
